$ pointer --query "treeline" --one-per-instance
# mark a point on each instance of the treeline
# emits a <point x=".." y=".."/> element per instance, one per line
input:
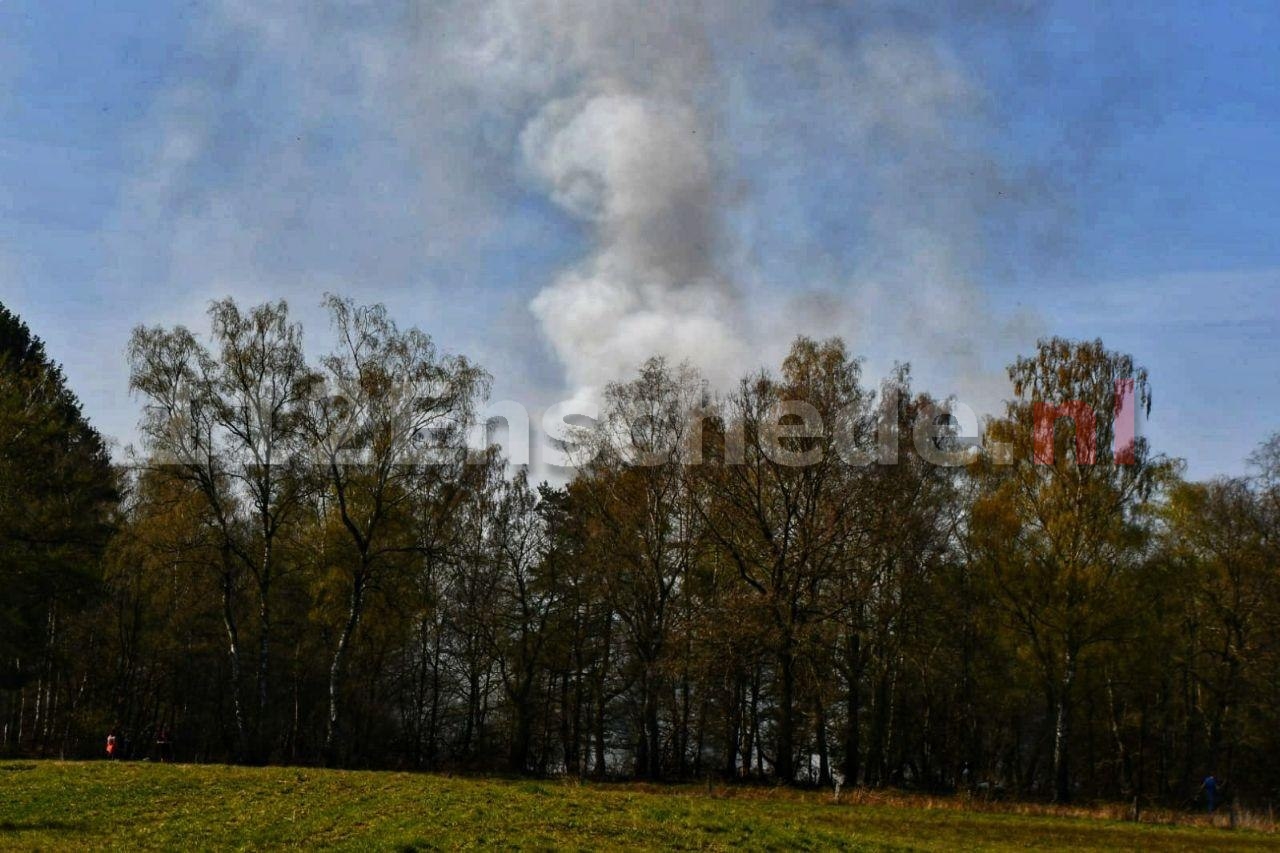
<point x="806" y="580"/>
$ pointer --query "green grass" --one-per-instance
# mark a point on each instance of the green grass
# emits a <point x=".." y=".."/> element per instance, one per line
<point x="60" y="805"/>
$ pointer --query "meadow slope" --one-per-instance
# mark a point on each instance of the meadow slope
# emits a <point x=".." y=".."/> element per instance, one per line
<point x="59" y="805"/>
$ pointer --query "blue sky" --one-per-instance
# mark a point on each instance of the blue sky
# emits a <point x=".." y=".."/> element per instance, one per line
<point x="557" y="188"/>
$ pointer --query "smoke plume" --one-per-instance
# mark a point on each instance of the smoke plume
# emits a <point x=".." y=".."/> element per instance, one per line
<point x="735" y="172"/>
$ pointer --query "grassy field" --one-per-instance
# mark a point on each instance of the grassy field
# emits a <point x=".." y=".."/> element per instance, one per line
<point x="55" y="805"/>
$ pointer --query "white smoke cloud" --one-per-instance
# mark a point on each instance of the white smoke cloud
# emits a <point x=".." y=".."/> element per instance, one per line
<point x="628" y="135"/>
<point x="687" y="141"/>
<point x="636" y="169"/>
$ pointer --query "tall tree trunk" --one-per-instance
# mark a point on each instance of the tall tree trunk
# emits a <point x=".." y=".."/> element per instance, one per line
<point x="652" y="730"/>
<point x="518" y="760"/>
<point x="262" y="747"/>
<point x="784" y="760"/>
<point x="233" y="654"/>
<point x="824" y="759"/>
<point x="853" y="709"/>
<point x="602" y="765"/>
<point x="262" y="735"/>
<point x="601" y="709"/>
<point x="1125" y="760"/>
<point x="1061" y="731"/>
<point x="355" y="610"/>
<point x="733" y="727"/>
<point x="877" y="759"/>
<point x="433" y="719"/>
<point x="567" y="744"/>
<point x="753" y="738"/>
<point x="686" y="717"/>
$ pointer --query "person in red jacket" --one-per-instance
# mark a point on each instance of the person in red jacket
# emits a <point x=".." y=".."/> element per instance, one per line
<point x="111" y="745"/>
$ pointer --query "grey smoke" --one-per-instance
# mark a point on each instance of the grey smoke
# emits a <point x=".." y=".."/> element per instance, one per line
<point x="686" y="141"/>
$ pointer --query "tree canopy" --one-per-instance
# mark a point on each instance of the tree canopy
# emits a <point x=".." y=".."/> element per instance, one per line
<point x="813" y="578"/>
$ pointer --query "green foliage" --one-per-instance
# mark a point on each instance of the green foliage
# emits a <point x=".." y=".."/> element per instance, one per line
<point x="57" y="496"/>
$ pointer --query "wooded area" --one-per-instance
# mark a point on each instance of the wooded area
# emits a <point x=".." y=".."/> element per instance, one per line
<point x="308" y="566"/>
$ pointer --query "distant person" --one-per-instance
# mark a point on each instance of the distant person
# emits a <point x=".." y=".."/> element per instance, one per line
<point x="1210" y="788"/>
<point x="164" y="745"/>
<point x="111" y="746"/>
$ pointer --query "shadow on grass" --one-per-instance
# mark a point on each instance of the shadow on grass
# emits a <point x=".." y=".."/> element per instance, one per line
<point x="42" y="826"/>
